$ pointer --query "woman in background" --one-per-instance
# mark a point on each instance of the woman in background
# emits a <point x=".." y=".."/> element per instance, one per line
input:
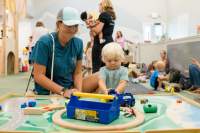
<point x="106" y="25"/>
<point x="120" y="39"/>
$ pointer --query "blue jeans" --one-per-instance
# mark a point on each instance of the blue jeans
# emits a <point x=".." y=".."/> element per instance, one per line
<point x="194" y="72"/>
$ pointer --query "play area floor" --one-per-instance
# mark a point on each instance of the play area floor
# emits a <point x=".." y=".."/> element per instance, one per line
<point x="170" y="115"/>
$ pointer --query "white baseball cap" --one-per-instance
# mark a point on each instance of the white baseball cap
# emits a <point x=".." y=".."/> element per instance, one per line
<point x="69" y="16"/>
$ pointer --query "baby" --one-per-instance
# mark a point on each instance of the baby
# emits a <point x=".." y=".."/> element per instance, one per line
<point x="113" y="75"/>
<point x="91" y="22"/>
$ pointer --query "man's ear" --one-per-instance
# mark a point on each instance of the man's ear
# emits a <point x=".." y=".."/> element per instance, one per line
<point x="58" y="25"/>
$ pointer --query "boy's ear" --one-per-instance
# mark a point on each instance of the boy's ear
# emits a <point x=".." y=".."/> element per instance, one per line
<point x="103" y="59"/>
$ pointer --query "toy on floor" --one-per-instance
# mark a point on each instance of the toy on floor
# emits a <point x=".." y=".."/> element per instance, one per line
<point x="29" y="107"/>
<point x="150" y="108"/>
<point x="150" y="92"/>
<point x="23" y="105"/>
<point x="31" y="103"/>
<point x="33" y="111"/>
<point x="137" y="120"/>
<point x="171" y="87"/>
<point x="127" y="99"/>
<point x="143" y="101"/>
<point x="128" y="112"/>
<point x="178" y="101"/>
<point x="95" y="111"/>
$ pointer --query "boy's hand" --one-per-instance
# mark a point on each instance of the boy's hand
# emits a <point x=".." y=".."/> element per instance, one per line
<point x="117" y="91"/>
<point x="105" y="92"/>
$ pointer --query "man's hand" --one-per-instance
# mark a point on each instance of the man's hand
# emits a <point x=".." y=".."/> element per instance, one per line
<point x="69" y="92"/>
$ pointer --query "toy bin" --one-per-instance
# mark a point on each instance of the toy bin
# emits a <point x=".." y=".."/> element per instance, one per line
<point x="94" y="111"/>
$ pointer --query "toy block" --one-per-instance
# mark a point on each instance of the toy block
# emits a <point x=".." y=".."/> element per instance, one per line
<point x="23" y="105"/>
<point x="31" y="103"/>
<point x="53" y="107"/>
<point x="34" y="111"/>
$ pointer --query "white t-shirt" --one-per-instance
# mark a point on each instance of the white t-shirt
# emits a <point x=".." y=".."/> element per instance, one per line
<point x="37" y="33"/>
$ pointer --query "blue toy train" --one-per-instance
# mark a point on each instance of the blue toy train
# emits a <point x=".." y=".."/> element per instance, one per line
<point x="127" y="99"/>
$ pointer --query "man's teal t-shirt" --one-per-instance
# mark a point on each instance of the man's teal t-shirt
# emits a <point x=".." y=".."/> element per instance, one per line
<point x="113" y="77"/>
<point x="65" y="59"/>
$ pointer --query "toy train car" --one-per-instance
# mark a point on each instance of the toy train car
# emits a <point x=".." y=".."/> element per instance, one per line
<point x="127" y="99"/>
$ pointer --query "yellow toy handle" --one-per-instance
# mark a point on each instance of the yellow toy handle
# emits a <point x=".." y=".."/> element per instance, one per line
<point x="91" y="95"/>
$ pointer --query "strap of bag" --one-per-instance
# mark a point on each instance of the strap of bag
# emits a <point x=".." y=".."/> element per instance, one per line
<point x="52" y="64"/>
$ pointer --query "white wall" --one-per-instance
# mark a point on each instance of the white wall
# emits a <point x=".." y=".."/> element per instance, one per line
<point x="24" y="33"/>
<point x="146" y="53"/>
<point x="131" y="14"/>
<point x="183" y="16"/>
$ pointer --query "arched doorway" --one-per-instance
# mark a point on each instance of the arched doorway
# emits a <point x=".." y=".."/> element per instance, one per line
<point x="10" y="63"/>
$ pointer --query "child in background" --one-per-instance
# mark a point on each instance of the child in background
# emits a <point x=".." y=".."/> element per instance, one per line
<point x="113" y="75"/>
<point x="91" y="22"/>
<point x="157" y="76"/>
<point x="151" y="68"/>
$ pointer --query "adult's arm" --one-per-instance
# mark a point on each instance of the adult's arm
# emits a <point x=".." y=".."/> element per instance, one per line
<point x="77" y="76"/>
<point x="41" y="79"/>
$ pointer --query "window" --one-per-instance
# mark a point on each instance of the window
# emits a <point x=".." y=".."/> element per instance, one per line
<point x="147" y="32"/>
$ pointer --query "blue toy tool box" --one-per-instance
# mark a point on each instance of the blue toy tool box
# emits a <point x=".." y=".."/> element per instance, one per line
<point x="95" y="111"/>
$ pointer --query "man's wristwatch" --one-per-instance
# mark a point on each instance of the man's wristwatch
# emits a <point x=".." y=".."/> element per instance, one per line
<point x="62" y="91"/>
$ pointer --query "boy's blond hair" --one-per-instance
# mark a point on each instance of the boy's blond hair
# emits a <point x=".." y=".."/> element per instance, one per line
<point x="160" y="65"/>
<point x="112" y="50"/>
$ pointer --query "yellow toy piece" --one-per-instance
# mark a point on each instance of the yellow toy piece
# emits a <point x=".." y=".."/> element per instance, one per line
<point x="167" y="88"/>
<point x="103" y="100"/>
<point x="172" y="89"/>
<point x="98" y="96"/>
